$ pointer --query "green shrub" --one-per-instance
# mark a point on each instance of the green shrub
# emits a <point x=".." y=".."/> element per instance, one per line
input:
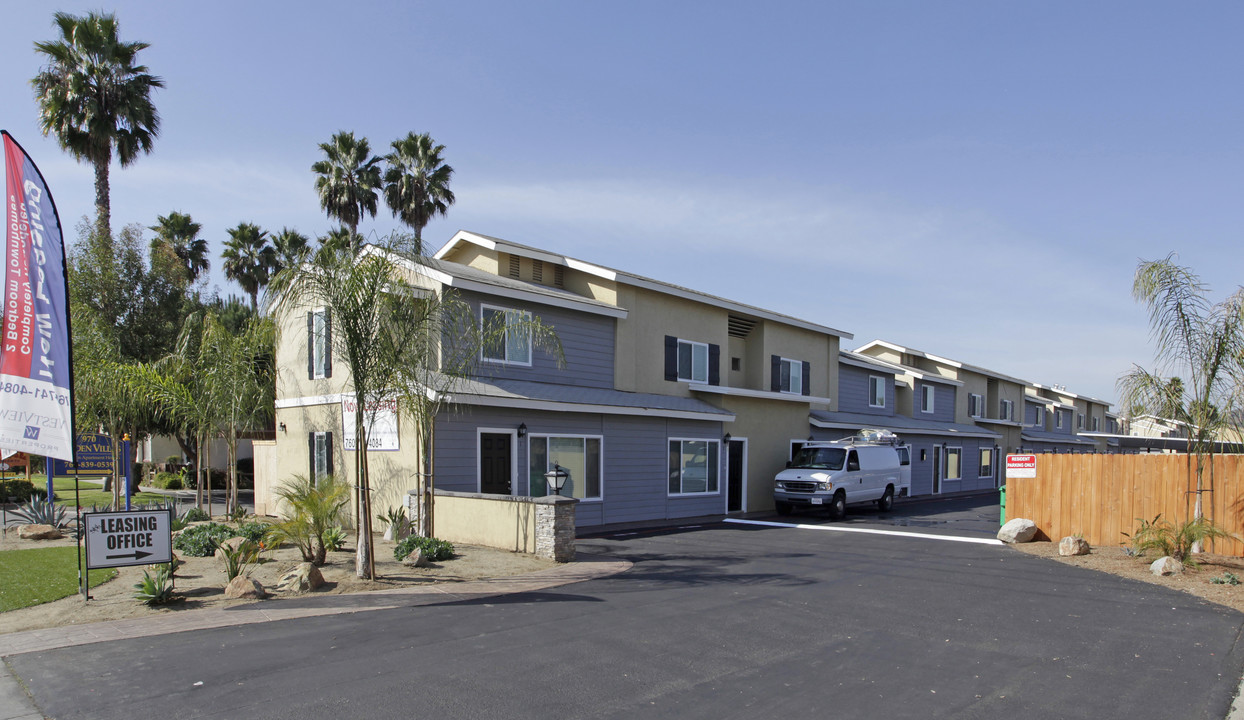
<point x="201" y="540"/>
<point x="155" y="590"/>
<point x="434" y="550"/>
<point x="195" y="514"/>
<point x="1227" y="578"/>
<point x="20" y="490"/>
<point x="168" y="481"/>
<point x="238" y="560"/>
<point x="334" y="539"/>
<point x="1166" y="538"/>
<point x="254" y="531"/>
<point x="40" y="512"/>
<point x="315" y="508"/>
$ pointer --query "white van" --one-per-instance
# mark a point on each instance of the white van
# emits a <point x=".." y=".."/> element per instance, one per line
<point x="868" y="467"/>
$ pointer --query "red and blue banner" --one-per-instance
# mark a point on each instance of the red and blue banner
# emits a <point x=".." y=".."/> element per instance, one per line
<point x="36" y="387"/>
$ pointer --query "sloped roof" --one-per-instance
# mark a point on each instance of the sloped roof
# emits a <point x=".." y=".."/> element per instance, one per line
<point x="569" y="398"/>
<point x="899" y="424"/>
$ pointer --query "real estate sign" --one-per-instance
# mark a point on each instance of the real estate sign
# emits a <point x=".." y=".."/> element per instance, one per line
<point x="381" y="419"/>
<point x="94" y="455"/>
<point x="117" y="539"/>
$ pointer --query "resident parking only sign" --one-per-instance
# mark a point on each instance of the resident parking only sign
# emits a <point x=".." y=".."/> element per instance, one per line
<point x="117" y="539"/>
<point x="1021" y="466"/>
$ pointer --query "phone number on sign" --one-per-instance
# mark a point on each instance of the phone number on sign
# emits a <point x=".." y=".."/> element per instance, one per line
<point x="13" y="388"/>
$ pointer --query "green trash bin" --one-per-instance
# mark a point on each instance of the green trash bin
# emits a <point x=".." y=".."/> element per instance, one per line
<point x="1002" y="503"/>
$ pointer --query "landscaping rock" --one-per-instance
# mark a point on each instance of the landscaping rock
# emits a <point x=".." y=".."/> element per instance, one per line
<point x="232" y="542"/>
<point x="1018" y="530"/>
<point x="39" y="532"/>
<point x="1166" y="566"/>
<point x="302" y="579"/>
<point x="244" y="588"/>
<point x="1069" y="546"/>
<point x="416" y="559"/>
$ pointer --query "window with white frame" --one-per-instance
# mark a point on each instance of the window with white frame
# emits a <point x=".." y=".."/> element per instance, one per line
<point x="792" y="376"/>
<point x="1079" y="421"/>
<point x="985" y="467"/>
<point x="976" y="404"/>
<point x="578" y="456"/>
<point x="692" y="361"/>
<point x="1007" y="410"/>
<point x="876" y="391"/>
<point x="1058" y="420"/>
<point x="321" y="460"/>
<point x="954" y="463"/>
<point x="693" y="466"/>
<point x="926" y="398"/>
<point x="319" y="344"/>
<point x="1096" y="424"/>
<point x="1038" y="416"/>
<point x="509" y="335"/>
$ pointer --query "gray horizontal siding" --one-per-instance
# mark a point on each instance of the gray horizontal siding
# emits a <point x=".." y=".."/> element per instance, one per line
<point x="943" y="402"/>
<point x="587" y="342"/>
<point x="635" y="476"/>
<point x="853" y="395"/>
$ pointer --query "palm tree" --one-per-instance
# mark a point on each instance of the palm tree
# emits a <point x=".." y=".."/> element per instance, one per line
<point x="292" y="248"/>
<point x="348" y="178"/>
<point x="95" y="99"/>
<point x="180" y="234"/>
<point x="249" y="260"/>
<point x="1203" y="340"/>
<point x="416" y="183"/>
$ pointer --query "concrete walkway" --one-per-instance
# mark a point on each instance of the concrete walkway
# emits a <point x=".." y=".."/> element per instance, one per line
<point x="15" y="703"/>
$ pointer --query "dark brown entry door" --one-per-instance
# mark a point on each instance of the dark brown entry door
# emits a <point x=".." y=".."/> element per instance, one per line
<point x="937" y="469"/>
<point x="494" y="463"/>
<point x="734" y="476"/>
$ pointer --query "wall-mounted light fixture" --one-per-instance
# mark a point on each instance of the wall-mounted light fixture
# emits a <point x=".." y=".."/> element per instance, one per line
<point x="726" y="439"/>
<point x="282" y="427"/>
<point x="522" y="430"/>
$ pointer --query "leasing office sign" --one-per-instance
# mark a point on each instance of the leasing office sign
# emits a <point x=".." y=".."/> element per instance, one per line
<point x="118" y="539"/>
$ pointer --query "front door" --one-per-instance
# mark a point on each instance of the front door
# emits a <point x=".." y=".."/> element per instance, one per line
<point x="735" y="473"/>
<point x="494" y="463"/>
<point x="937" y="469"/>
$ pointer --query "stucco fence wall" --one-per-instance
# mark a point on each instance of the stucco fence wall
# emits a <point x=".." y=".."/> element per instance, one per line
<point x="541" y="526"/>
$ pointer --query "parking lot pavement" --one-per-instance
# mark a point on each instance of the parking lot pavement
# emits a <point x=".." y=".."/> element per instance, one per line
<point x="976" y="514"/>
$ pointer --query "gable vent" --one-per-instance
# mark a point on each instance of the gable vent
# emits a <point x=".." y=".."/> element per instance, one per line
<point x="740" y="327"/>
<point x="514" y="266"/>
<point x="537" y="271"/>
<point x="559" y="276"/>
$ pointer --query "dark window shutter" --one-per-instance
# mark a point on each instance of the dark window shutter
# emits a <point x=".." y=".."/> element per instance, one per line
<point x="310" y="345"/>
<point x="311" y="447"/>
<point x="671" y="357"/>
<point x="714" y="364"/>
<point x="775" y="373"/>
<point x="807" y="378"/>
<point x="328" y="452"/>
<point x="328" y="347"/>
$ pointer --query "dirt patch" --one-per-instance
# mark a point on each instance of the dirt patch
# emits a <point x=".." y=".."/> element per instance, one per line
<point x="200" y="582"/>
<point x="1194" y="580"/>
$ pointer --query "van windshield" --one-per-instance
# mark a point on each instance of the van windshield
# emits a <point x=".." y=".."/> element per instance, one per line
<point x="819" y="458"/>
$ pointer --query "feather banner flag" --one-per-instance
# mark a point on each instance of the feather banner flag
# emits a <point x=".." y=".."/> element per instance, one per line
<point x="36" y="378"/>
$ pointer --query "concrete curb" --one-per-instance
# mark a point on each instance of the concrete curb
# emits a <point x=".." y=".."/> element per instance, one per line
<point x="15" y="704"/>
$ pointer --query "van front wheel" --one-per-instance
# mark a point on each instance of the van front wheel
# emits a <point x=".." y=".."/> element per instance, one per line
<point x="838" y="506"/>
<point x="886" y="502"/>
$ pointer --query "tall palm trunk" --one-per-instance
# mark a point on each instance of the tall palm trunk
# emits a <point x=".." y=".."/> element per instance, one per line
<point x="103" y="203"/>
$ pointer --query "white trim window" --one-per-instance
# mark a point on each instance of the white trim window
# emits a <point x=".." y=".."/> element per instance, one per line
<point x="1079" y="421"/>
<point x="694" y="466"/>
<point x="321" y="455"/>
<point x="692" y="361"/>
<point x="1096" y="424"/>
<point x="927" y="394"/>
<point x="1058" y="420"/>
<point x="578" y="455"/>
<point x="985" y="464"/>
<point x="320" y="343"/>
<point x="513" y="346"/>
<point x="1038" y="416"/>
<point x="954" y="463"/>
<point x="976" y="405"/>
<point x="792" y="376"/>
<point x="1006" y="410"/>
<point x="876" y="391"/>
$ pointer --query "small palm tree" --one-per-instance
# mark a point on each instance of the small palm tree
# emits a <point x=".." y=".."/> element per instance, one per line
<point x="96" y="99"/>
<point x="416" y="183"/>
<point x="292" y="248"/>
<point x="180" y="234"/>
<point x="348" y="177"/>
<point x="250" y="260"/>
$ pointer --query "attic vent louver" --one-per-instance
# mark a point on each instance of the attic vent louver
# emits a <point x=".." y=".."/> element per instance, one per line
<point x="740" y="327"/>
<point x="559" y="276"/>
<point x="537" y="271"/>
<point x="514" y="266"/>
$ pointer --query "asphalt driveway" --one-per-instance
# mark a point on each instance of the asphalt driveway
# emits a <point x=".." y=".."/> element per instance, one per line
<point x="715" y="621"/>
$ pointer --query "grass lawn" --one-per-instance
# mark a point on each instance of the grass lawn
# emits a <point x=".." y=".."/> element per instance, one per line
<point x="90" y="493"/>
<point x="35" y="576"/>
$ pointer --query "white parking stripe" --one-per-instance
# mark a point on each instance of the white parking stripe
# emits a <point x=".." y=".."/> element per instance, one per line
<point x="869" y="531"/>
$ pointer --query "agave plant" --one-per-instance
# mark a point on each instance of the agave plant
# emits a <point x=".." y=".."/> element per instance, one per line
<point x="41" y="512"/>
<point x="155" y="590"/>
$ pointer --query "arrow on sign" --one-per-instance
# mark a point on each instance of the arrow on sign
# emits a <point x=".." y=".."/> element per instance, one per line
<point x="137" y="555"/>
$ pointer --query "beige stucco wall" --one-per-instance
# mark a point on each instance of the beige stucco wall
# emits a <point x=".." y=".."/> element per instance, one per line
<point x="973" y="383"/>
<point x="505" y="523"/>
<point x="768" y="426"/>
<point x="640" y="353"/>
<point x="266" y="470"/>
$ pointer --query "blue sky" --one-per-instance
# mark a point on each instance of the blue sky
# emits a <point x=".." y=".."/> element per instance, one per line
<point x="974" y="179"/>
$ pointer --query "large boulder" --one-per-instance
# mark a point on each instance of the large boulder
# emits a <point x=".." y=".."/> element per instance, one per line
<point x="1018" y="530"/>
<point x="304" y="578"/>
<point x="1166" y="566"/>
<point x="242" y="587"/>
<point x="1071" y="545"/>
<point x="416" y="559"/>
<point x="39" y="532"/>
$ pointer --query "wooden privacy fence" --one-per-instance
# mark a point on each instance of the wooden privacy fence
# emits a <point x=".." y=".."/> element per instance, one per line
<point x="1100" y="497"/>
